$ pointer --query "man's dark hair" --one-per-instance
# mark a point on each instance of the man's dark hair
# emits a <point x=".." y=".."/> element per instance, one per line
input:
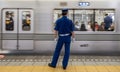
<point x="106" y="14"/>
<point x="64" y="13"/>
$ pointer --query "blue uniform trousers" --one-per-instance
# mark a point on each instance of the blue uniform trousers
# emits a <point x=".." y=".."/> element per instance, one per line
<point x="61" y="41"/>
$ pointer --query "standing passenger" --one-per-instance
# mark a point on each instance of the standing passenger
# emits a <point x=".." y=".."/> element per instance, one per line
<point x="64" y="29"/>
<point x="107" y="21"/>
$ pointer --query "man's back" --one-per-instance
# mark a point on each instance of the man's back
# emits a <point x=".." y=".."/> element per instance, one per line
<point x="64" y="25"/>
<point x="64" y="29"/>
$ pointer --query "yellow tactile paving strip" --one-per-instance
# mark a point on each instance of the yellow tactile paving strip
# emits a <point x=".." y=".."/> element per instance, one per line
<point x="59" y="69"/>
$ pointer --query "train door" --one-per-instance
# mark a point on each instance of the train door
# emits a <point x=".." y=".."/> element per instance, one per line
<point x="13" y="32"/>
<point x="9" y="29"/>
<point x="25" y="29"/>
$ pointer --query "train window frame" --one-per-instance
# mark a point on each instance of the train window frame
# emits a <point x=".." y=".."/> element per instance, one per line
<point x="26" y="21"/>
<point x="89" y="32"/>
<point x="15" y="21"/>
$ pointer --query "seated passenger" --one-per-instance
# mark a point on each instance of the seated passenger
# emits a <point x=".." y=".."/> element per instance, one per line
<point x="111" y="28"/>
<point x="89" y="26"/>
<point x="96" y="26"/>
<point x="83" y="28"/>
<point x="77" y="26"/>
<point x="102" y="27"/>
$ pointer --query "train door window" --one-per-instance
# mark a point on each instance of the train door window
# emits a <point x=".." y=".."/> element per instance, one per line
<point x="83" y="20"/>
<point x="9" y="20"/>
<point x="104" y="20"/>
<point x="26" y="27"/>
<point x="26" y="21"/>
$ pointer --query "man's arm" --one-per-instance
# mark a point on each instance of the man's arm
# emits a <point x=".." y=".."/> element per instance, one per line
<point x="72" y="29"/>
<point x="56" y="34"/>
<point x="73" y="34"/>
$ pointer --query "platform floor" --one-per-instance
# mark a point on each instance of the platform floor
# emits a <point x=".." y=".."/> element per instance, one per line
<point x="35" y="63"/>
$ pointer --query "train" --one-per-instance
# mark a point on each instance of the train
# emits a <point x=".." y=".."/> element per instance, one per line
<point x="27" y="26"/>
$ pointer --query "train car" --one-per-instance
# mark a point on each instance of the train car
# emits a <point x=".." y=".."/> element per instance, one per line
<point x="26" y="26"/>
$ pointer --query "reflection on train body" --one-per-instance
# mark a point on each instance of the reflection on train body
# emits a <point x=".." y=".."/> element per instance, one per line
<point x="9" y="20"/>
<point x="26" y="20"/>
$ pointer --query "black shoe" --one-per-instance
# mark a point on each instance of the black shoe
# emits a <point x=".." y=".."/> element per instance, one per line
<point x="51" y="65"/>
<point x="64" y="68"/>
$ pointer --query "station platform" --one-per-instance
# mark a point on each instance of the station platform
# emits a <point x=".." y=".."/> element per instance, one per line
<point x="38" y="63"/>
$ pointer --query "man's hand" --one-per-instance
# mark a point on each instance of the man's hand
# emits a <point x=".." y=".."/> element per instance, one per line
<point x="73" y="39"/>
<point x="55" y="39"/>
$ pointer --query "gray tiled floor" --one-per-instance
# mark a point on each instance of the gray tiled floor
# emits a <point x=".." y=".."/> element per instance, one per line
<point x="32" y="60"/>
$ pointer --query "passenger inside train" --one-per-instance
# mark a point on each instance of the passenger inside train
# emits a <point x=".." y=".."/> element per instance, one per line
<point x="83" y="27"/>
<point x="89" y="26"/>
<point x="107" y="21"/>
<point x="102" y="27"/>
<point x="96" y="26"/>
<point x="77" y="26"/>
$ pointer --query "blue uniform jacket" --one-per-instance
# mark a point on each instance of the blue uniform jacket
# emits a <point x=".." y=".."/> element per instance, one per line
<point x="64" y="25"/>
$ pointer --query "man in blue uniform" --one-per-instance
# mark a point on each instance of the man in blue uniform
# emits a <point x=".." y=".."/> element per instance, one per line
<point x="107" y="21"/>
<point x="64" y="29"/>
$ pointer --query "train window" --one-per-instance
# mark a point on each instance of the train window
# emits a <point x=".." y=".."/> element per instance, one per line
<point x="90" y="19"/>
<point x="70" y="14"/>
<point x="26" y="20"/>
<point x="104" y="20"/>
<point x="83" y="19"/>
<point x="9" y="20"/>
<point x="57" y="14"/>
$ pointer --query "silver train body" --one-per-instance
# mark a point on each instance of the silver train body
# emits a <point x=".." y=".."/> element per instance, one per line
<point x="39" y="38"/>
